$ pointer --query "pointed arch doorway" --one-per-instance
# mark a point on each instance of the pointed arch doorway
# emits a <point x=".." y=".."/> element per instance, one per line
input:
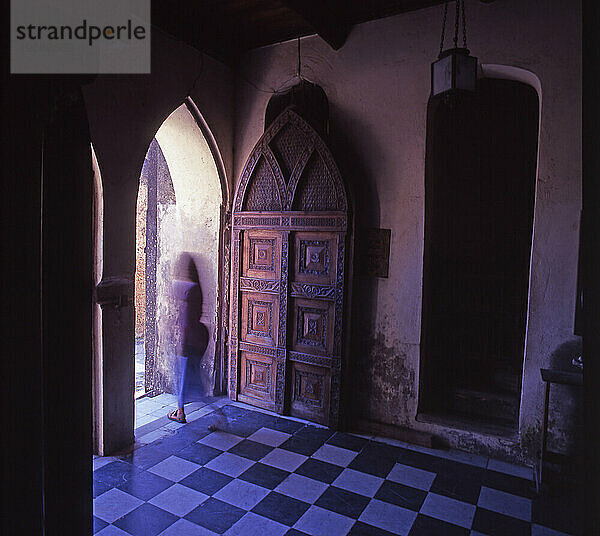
<point x="289" y="256"/>
<point x="194" y="224"/>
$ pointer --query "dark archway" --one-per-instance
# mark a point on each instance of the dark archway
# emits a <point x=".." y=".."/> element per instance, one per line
<point x="479" y="189"/>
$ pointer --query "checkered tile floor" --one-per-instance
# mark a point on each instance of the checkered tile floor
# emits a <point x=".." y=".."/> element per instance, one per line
<point x="261" y="474"/>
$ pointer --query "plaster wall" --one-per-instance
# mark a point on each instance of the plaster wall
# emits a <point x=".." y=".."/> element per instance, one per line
<point x="378" y="85"/>
<point x="98" y="224"/>
<point x="125" y="112"/>
<point x="190" y="225"/>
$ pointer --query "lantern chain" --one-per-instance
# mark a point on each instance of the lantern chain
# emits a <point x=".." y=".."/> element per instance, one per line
<point x="444" y="27"/>
<point x="456" y="21"/>
<point x="464" y="25"/>
<point x="460" y="9"/>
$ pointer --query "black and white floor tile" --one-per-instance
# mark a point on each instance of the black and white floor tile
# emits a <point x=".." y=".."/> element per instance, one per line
<point x="261" y="474"/>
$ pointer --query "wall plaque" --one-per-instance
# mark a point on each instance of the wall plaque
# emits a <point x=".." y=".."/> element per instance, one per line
<point x="373" y="252"/>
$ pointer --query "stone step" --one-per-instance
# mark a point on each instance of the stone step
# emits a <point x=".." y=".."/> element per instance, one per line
<point x="483" y="404"/>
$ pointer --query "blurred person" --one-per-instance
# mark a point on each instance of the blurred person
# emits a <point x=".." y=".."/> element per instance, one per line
<point x="190" y="333"/>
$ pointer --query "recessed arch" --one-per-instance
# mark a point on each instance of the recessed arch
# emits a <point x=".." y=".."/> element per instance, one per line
<point x="214" y="149"/>
<point x="288" y="275"/>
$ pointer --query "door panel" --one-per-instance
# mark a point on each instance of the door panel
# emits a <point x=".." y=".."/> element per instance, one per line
<point x="258" y="378"/>
<point x="259" y="287"/>
<point x="315" y="256"/>
<point x="312" y="330"/>
<point x="260" y="313"/>
<point x="313" y="286"/>
<point x="262" y="255"/>
<point x="310" y="392"/>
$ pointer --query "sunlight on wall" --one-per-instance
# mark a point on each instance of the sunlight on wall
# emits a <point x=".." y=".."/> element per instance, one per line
<point x="97" y="313"/>
<point x="191" y="225"/>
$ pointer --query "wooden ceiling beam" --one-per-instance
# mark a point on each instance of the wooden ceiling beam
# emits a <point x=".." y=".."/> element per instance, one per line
<point x="325" y="17"/>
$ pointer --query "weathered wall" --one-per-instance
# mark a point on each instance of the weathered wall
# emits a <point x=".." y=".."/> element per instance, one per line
<point x="191" y="225"/>
<point x="378" y="85"/>
<point x="140" y="259"/>
<point x="125" y="112"/>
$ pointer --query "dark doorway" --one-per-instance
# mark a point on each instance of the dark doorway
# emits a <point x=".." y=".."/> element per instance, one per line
<point x="479" y="199"/>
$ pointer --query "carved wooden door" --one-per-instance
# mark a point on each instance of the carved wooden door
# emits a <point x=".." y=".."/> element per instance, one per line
<point x="288" y="264"/>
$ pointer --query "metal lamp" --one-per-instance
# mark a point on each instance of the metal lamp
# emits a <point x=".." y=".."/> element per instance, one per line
<point x="454" y="68"/>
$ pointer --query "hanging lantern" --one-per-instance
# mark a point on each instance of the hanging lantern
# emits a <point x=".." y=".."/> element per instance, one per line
<point x="454" y="68"/>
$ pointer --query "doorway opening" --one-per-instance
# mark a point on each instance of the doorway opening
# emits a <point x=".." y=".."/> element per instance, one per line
<point x="155" y="204"/>
<point x="479" y="198"/>
<point x="188" y="214"/>
<point x="141" y="216"/>
<point x="179" y="209"/>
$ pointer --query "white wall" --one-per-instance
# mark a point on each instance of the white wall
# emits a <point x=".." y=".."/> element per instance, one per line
<point x="378" y="85"/>
<point x="190" y="225"/>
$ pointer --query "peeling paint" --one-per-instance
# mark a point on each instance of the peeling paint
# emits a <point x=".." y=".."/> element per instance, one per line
<point x="389" y="383"/>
